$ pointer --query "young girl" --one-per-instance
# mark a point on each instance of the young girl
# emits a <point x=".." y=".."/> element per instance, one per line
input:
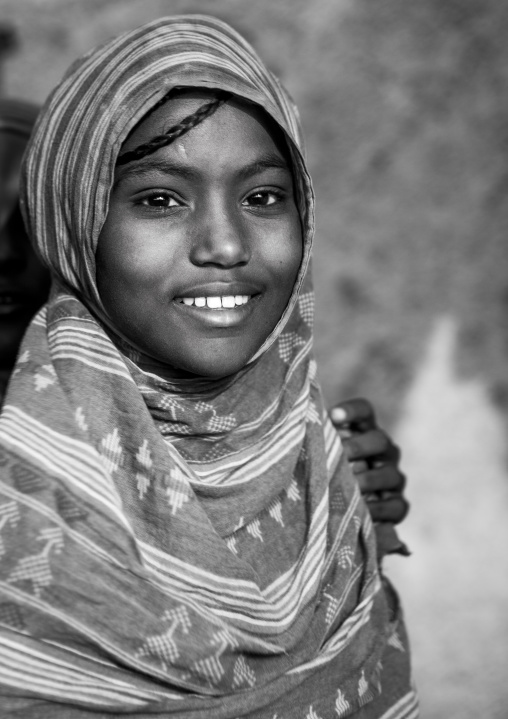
<point x="181" y="534"/>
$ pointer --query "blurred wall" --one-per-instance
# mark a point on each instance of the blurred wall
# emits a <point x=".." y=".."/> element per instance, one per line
<point x="406" y="115"/>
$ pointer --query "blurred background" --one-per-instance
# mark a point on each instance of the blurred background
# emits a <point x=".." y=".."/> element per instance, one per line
<point x="405" y="106"/>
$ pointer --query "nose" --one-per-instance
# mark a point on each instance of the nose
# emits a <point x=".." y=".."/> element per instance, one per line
<point x="220" y="237"/>
<point x="13" y="242"/>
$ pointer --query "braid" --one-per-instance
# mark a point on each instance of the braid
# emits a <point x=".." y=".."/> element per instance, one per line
<point x="177" y="130"/>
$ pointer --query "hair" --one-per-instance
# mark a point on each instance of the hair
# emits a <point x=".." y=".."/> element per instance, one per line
<point x="181" y="128"/>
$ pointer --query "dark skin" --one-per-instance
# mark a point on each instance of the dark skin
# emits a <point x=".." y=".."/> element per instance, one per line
<point x="374" y="459"/>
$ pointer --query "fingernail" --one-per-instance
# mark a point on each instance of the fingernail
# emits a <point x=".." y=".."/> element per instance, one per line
<point x="338" y="414"/>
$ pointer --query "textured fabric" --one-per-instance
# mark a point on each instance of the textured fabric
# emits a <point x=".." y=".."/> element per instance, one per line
<point x="197" y="549"/>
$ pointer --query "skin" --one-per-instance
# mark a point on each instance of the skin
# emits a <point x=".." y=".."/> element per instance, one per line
<point x="374" y="459"/>
<point x="24" y="282"/>
<point x="212" y="214"/>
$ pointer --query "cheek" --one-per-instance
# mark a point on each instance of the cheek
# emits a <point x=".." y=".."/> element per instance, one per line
<point x="122" y="258"/>
<point x="291" y="254"/>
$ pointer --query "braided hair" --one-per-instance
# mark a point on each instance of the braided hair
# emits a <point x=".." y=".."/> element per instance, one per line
<point x="182" y="127"/>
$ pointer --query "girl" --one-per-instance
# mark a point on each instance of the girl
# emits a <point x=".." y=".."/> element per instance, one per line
<point x="181" y="535"/>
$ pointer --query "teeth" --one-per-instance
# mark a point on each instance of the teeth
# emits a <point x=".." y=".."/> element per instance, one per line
<point x="214" y="303"/>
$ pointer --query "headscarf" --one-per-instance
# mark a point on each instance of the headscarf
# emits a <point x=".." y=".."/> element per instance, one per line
<point x="197" y="549"/>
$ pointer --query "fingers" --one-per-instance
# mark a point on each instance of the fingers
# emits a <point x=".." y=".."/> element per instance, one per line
<point x="360" y="466"/>
<point x="381" y="479"/>
<point x="392" y="509"/>
<point x="357" y="412"/>
<point x="373" y="444"/>
<point x="374" y="459"/>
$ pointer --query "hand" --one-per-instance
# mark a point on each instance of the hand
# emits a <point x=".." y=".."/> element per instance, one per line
<point x="374" y="460"/>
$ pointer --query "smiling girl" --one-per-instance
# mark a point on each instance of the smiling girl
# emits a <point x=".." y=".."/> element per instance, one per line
<point x="180" y="532"/>
<point x="200" y="250"/>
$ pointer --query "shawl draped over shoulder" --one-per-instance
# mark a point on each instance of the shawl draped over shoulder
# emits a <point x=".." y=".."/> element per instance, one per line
<point x="195" y="549"/>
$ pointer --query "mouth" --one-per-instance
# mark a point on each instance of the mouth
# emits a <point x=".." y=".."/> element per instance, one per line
<point x="218" y="302"/>
<point x="218" y="306"/>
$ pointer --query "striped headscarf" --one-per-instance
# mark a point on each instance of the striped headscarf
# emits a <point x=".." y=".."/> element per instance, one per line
<point x="197" y="550"/>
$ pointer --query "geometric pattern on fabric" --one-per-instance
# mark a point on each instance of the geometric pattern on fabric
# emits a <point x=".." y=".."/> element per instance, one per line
<point x="9" y="515"/>
<point x="111" y="450"/>
<point x="342" y="706"/>
<point x="178" y="491"/>
<point x="396" y="642"/>
<point x="288" y="342"/>
<point x="306" y="307"/>
<point x="26" y="480"/>
<point x="216" y="423"/>
<point x="165" y="646"/>
<point x="144" y="466"/>
<point x="70" y="510"/>
<point x="311" y="714"/>
<point x="345" y="557"/>
<point x="45" y="378"/>
<point x="177" y="410"/>
<point x="243" y="674"/>
<point x="365" y="695"/>
<point x="36" y="568"/>
<point x="12" y="616"/>
<point x="211" y="666"/>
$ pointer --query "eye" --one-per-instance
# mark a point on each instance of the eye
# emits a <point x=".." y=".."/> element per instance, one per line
<point x="263" y="198"/>
<point x="159" y="200"/>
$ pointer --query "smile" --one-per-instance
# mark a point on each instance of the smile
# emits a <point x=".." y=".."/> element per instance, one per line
<point x="215" y="303"/>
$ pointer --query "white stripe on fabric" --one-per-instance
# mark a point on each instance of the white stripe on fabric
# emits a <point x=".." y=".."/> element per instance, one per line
<point x="21" y="664"/>
<point x="405" y="708"/>
<point x="75" y="462"/>
<point x="271" y="609"/>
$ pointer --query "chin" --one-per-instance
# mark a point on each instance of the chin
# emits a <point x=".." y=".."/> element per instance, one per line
<point x="215" y="367"/>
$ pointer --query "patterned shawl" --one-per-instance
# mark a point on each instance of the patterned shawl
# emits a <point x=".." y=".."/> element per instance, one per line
<point x="197" y="549"/>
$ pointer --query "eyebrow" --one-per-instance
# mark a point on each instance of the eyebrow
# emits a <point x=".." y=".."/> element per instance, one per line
<point x="147" y="167"/>
<point x="267" y="161"/>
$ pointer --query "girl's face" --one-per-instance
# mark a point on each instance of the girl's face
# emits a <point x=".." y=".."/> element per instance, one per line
<point x="202" y="243"/>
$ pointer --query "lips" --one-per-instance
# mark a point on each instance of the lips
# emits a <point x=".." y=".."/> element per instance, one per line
<point x="219" y="304"/>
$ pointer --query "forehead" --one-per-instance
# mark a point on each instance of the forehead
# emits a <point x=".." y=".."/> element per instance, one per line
<point x="235" y="120"/>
